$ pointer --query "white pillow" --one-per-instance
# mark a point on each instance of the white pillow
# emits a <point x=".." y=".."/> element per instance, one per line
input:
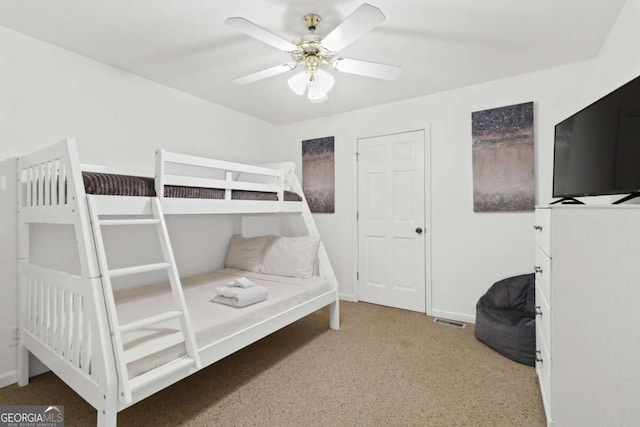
<point x="291" y="256"/>
<point x="287" y="167"/>
<point x="245" y="253"/>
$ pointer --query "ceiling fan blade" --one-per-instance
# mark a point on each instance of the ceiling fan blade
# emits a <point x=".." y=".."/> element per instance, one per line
<point x="259" y="33"/>
<point x="263" y="74"/>
<point x="359" y="23"/>
<point x="368" y="69"/>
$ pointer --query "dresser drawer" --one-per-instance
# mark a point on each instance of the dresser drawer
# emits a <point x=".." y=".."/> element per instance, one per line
<point x="543" y="321"/>
<point x="542" y="268"/>
<point x="543" y="369"/>
<point x="542" y="228"/>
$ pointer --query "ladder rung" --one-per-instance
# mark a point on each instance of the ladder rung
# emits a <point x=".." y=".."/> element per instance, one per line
<point x="159" y="373"/>
<point x="142" y="323"/>
<point x="153" y="346"/>
<point x="139" y="269"/>
<point x="129" y="221"/>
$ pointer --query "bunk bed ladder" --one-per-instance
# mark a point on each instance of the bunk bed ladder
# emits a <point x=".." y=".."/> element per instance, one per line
<point x="128" y="386"/>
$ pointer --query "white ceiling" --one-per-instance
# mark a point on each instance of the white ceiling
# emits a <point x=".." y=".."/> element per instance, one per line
<point x="440" y="44"/>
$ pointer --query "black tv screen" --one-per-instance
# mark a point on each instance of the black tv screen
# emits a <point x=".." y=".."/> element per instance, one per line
<point x="597" y="150"/>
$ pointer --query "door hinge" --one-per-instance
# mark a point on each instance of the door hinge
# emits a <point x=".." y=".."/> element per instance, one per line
<point x="357" y="156"/>
<point x="357" y="216"/>
<point x="357" y="275"/>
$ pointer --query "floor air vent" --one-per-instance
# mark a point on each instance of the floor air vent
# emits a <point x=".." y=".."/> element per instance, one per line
<point x="449" y="323"/>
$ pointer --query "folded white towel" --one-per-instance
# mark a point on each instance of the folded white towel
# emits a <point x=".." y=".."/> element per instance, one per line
<point x="227" y="291"/>
<point x="241" y="282"/>
<point x="240" y="297"/>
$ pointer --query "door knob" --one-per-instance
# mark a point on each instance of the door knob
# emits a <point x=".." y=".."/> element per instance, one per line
<point x="419" y="230"/>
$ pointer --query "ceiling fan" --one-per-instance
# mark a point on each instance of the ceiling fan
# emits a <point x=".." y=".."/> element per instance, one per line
<point x="313" y="52"/>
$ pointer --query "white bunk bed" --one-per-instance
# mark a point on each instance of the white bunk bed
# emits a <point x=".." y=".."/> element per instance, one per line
<point x="74" y="324"/>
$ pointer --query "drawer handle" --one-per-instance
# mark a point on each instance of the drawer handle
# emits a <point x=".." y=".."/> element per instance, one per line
<point x="537" y="269"/>
<point x="538" y="311"/>
<point x="537" y="227"/>
<point x="539" y="356"/>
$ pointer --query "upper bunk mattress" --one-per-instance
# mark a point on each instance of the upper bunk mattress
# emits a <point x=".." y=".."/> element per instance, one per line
<point x="211" y="321"/>
<point x="107" y="184"/>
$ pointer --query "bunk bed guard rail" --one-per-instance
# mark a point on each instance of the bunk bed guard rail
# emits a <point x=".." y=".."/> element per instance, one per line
<point x="172" y="169"/>
<point x="47" y="190"/>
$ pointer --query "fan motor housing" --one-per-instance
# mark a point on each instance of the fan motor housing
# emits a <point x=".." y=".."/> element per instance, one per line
<point x="308" y="40"/>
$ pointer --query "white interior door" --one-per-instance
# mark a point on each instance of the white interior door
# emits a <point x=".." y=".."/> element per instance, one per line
<point x="391" y="220"/>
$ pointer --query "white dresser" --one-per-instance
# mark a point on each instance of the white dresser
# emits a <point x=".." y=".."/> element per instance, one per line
<point x="587" y="266"/>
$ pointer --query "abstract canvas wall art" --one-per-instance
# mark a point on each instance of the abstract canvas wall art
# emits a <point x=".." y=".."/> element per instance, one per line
<point x="318" y="174"/>
<point x="503" y="159"/>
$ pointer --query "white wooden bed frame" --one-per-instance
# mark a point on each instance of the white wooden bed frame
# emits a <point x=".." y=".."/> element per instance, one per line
<point x="68" y="321"/>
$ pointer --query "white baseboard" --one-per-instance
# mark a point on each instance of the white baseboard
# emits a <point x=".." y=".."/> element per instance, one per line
<point x="36" y="367"/>
<point x="8" y="378"/>
<point x="460" y="317"/>
<point x="348" y="297"/>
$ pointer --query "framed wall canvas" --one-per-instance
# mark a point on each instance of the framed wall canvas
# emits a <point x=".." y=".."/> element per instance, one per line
<point x="503" y="159"/>
<point x="318" y="174"/>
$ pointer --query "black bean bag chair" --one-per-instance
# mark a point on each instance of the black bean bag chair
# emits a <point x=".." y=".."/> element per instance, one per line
<point x="506" y="318"/>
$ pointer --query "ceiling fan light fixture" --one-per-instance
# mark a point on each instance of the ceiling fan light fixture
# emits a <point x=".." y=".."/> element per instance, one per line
<point x="320" y="83"/>
<point x="316" y="94"/>
<point x="298" y="83"/>
<point x="322" y="80"/>
<point x="319" y="100"/>
<point x="317" y="84"/>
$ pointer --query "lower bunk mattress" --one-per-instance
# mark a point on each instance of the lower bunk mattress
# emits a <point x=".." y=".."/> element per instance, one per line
<point x="211" y="321"/>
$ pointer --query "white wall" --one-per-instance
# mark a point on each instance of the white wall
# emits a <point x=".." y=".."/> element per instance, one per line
<point x="118" y="119"/>
<point x="469" y="250"/>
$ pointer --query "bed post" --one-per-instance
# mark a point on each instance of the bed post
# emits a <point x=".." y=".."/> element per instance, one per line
<point x="108" y="386"/>
<point x="22" y="250"/>
<point x="22" y="353"/>
<point x="323" y="259"/>
<point x="159" y="176"/>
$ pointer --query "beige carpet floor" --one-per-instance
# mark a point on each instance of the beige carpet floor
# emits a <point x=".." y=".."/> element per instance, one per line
<point x="384" y="367"/>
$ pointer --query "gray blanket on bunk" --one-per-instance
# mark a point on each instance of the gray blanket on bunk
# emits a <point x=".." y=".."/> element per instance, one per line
<point x="127" y="185"/>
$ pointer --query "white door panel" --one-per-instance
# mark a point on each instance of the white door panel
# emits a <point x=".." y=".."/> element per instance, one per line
<point x="391" y="206"/>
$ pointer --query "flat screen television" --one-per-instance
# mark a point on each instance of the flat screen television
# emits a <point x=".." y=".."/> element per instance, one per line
<point x="597" y="150"/>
